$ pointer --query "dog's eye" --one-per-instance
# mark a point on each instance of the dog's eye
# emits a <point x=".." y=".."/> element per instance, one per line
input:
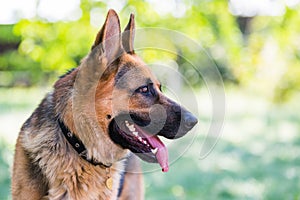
<point x="143" y="89"/>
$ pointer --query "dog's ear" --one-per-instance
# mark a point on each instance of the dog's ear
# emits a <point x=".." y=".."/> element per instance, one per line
<point x="109" y="37"/>
<point x="128" y="36"/>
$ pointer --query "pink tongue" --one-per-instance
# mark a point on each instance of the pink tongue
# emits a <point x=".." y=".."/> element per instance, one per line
<point x="162" y="152"/>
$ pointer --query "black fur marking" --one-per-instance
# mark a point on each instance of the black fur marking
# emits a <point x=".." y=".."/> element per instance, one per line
<point x="35" y="173"/>
<point x="122" y="179"/>
<point x="67" y="73"/>
<point x="122" y="72"/>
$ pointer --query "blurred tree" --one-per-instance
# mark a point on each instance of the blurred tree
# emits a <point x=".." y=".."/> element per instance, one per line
<point x="258" y="51"/>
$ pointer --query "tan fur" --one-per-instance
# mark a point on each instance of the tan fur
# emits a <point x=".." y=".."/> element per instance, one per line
<point x="64" y="175"/>
<point x="68" y="176"/>
<point x="110" y="82"/>
<point x="45" y="164"/>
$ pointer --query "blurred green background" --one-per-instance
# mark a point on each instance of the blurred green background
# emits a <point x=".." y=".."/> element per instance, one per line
<point x="255" y="46"/>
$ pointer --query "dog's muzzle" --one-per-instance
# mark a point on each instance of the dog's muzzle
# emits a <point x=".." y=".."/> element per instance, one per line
<point x="136" y="132"/>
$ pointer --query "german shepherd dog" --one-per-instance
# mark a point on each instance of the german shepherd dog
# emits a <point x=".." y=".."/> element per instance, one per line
<point x="84" y="139"/>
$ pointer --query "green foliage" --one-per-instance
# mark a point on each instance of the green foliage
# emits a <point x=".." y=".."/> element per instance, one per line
<point x="6" y="35"/>
<point x="265" y="58"/>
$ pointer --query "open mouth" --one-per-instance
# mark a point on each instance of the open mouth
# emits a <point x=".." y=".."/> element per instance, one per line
<point x="131" y="135"/>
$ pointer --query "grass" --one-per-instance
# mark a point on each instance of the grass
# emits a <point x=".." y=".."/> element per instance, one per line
<point x="4" y="171"/>
<point x="256" y="157"/>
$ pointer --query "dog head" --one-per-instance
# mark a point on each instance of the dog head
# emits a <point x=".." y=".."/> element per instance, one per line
<point x="130" y="109"/>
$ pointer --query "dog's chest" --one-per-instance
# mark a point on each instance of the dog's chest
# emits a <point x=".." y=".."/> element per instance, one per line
<point x="87" y="183"/>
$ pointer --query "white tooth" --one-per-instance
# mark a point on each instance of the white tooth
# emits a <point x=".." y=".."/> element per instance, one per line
<point x="144" y="142"/>
<point x="140" y="138"/>
<point x="154" y="150"/>
<point x="131" y="128"/>
<point x="135" y="133"/>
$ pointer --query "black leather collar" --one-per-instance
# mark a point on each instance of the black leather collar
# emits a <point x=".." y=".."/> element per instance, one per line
<point x="78" y="146"/>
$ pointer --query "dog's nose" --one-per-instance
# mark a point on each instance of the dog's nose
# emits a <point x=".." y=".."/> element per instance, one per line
<point x="189" y="120"/>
